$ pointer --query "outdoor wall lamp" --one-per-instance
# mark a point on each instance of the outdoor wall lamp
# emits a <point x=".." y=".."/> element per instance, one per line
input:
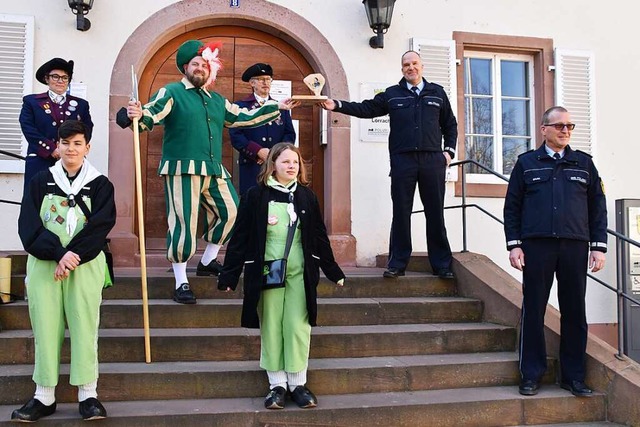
<point x="379" y="15"/>
<point x="80" y="8"/>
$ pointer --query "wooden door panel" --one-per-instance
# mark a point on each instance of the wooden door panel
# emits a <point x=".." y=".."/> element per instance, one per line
<point x="242" y="47"/>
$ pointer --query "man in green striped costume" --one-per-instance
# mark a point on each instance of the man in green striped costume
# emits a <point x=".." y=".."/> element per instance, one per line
<point x="193" y="117"/>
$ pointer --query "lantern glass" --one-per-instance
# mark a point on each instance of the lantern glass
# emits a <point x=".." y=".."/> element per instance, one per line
<point x="379" y="13"/>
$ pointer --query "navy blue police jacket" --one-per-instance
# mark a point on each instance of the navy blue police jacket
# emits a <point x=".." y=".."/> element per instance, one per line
<point x="548" y="198"/>
<point x="417" y="123"/>
<point x="248" y="141"/>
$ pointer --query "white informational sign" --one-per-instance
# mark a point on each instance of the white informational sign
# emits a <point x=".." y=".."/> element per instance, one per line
<point x="634" y="234"/>
<point x="280" y="89"/>
<point x="376" y="129"/>
<point x="78" y="89"/>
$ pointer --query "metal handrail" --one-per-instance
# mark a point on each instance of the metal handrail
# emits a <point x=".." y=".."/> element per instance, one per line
<point x="14" y="155"/>
<point x="19" y="157"/>
<point x="620" y="238"/>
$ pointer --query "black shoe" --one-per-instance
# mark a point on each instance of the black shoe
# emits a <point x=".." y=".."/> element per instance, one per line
<point x="445" y="273"/>
<point x="577" y="388"/>
<point x="393" y="273"/>
<point x="211" y="269"/>
<point x="33" y="410"/>
<point x="529" y="387"/>
<point x="184" y="295"/>
<point x="275" y="398"/>
<point x="92" y="409"/>
<point x="303" y="397"/>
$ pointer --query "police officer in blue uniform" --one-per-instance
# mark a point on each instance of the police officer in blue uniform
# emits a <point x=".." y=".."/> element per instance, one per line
<point x="555" y="223"/>
<point x="254" y="144"/>
<point x="420" y="117"/>
<point x="43" y="113"/>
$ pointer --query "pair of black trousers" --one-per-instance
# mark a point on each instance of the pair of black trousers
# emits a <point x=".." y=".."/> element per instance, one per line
<point x="427" y="170"/>
<point x="568" y="260"/>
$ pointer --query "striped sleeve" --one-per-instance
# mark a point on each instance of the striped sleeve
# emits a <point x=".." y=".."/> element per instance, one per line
<point x="155" y="111"/>
<point x="236" y="116"/>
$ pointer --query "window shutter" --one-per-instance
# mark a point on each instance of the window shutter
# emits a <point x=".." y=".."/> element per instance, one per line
<point x="575" y="90"/>
<point x="439" y="61"/>
<point x="16" y="69"/>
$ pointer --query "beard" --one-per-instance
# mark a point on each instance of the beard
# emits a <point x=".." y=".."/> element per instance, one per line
<point x="198" y="80"/>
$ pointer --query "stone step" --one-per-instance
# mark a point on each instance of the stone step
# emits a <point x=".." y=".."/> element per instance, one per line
<point x="361" y="282"/>
<point x="418" y="261"/>
<point x="220" y="344"/>
<point x="477" y="406"/>
<point x="226" y="313"/>
<point x="206" y="380"/>
<point x="594" y="424"/>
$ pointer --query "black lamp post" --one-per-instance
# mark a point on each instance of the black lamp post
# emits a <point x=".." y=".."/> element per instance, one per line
<point x="379" y="14"/>
<point x="80" y="8"/>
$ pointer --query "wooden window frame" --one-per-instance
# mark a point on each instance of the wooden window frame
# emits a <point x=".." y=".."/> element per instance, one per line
<point x="543" y="77"/>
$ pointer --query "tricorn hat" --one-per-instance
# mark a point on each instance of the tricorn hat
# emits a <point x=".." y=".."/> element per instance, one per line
<point x="255" y="70"/>
<point x="54" y="64"/>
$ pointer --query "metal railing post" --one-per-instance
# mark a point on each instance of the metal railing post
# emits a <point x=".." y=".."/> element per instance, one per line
<point x="619" y="297"/>
<point x="464" y="209"/>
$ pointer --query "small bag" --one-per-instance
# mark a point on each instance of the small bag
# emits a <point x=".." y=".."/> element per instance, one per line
<point x="274" y="272"/>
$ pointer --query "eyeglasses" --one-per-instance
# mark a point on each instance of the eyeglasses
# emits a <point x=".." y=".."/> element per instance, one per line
<point x="560" y="126"/>
<point x="262" y="79"/>
<point x="57" y="78"/>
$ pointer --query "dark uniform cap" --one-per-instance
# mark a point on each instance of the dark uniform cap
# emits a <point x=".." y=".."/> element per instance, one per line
<point x="256" y="70"/>
<point x="54" y="64"/>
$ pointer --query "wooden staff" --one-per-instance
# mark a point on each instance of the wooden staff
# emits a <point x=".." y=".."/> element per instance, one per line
<point x="141" y="236"/>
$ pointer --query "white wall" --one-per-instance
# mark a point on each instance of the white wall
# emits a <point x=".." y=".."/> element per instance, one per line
<point x="572" y="24"/>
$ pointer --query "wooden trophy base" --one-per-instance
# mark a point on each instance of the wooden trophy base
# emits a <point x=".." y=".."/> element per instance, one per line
<point x="309" y="99"/>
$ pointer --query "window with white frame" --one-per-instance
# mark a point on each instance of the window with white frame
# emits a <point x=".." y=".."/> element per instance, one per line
<point x="499" y="111"/>
<point x="16" y="71"/>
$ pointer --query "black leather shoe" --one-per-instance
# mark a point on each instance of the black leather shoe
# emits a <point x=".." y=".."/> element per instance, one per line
<point x="445" y="273"/>
<point x="275" y="398"/>
<point x="211" y="269"/>
<point x="33" y="410"/>
<point x="303" y="397"/>
<point x="528" y="387"/>
<point x="92" y="409"/>
<point x="577" y="388"/>
<point x="393" y="273"/>
<point x="184" y="295"/>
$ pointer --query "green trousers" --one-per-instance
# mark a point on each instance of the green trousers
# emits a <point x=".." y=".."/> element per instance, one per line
<point x="183" y="196"/>
<point x="285" y="333"/>
<point x="75" y="300"/>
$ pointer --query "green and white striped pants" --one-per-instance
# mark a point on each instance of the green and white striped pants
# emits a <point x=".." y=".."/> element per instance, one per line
<point x="183" y="195"/>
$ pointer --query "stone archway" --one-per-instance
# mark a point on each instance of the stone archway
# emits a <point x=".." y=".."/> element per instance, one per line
<point x="188" y="15"/>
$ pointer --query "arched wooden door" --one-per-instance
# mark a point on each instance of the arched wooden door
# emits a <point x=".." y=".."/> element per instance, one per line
<point x="241" y="48"/>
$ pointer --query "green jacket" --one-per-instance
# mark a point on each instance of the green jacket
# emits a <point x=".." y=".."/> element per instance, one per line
<point x="193" y="119"/>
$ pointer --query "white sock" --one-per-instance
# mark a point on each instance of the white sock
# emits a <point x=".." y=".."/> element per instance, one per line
<point x="277" y="379"/>
<point x="46" y="395"/>
<point x="86" y="391"/>
<point x="296" y="378"/>
<point x="210" y="253"/>
<point x="180" y="273"/>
